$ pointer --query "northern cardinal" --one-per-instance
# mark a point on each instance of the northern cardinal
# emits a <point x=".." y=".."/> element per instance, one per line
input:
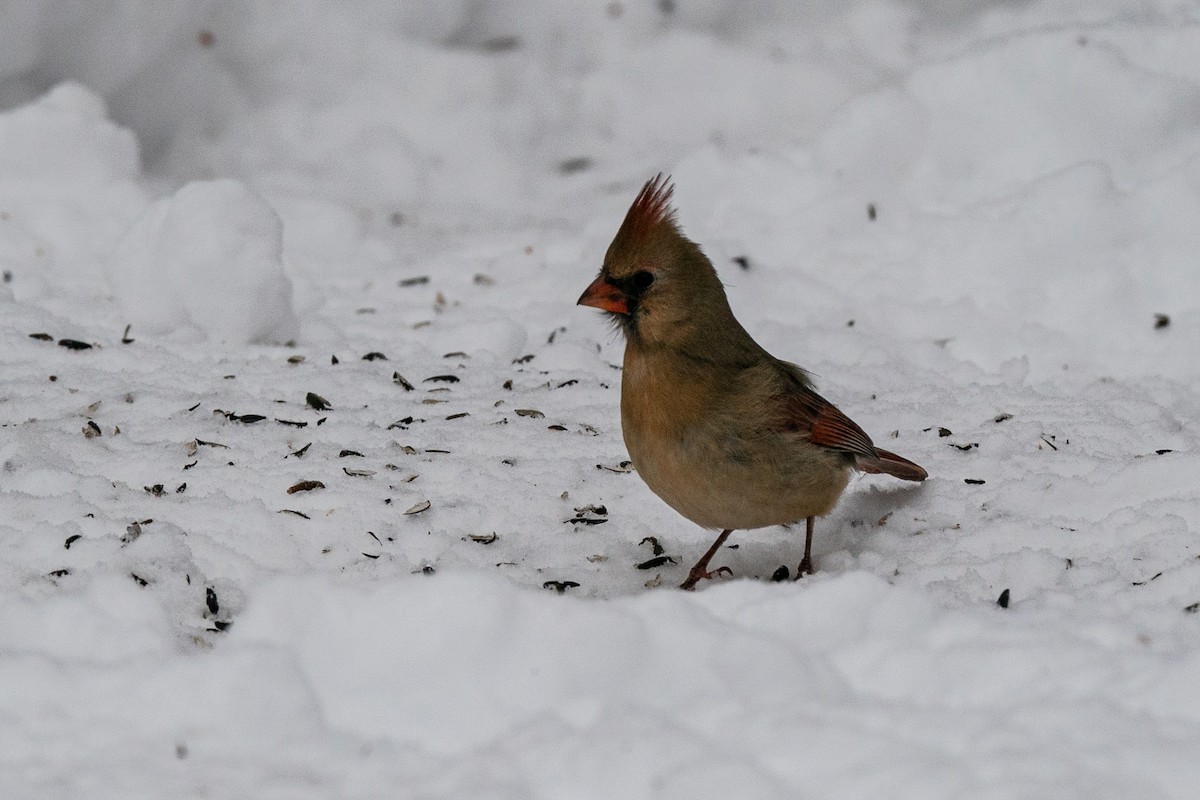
<point x="728" y="435"/>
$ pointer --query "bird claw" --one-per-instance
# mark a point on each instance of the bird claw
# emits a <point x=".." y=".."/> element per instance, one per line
<point x="805" y="568"/>
<point x="700" y="573"/>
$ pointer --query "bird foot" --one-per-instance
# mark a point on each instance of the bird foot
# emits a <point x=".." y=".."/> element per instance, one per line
<point x="805" y="568"/>
<point x="699" y="573"/>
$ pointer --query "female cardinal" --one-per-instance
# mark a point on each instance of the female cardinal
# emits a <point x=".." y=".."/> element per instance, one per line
<point x="728" y="435"/>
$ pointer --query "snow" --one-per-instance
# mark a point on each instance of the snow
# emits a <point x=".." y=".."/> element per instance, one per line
<point x="207" y="257"/>
<point x="342" y="244"/>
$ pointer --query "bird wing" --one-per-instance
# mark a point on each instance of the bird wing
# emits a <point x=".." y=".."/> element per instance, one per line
<point x="807" y="413"/>
<point x="804" y="411"/>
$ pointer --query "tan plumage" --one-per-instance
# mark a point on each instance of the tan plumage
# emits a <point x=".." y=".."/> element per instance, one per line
<point x="729" y="436"/>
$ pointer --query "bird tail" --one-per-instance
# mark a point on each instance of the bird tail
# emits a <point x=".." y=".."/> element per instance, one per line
<point x="892" y="464"/>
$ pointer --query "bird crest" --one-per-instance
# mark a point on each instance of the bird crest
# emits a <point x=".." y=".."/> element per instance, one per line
<point x="651" y="210"/>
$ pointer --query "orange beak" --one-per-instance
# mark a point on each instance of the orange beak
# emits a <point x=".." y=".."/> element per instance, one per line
<point x="604" y="296"/>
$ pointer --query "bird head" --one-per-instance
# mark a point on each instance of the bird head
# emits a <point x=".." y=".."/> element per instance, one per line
<point x="655" y="284"/>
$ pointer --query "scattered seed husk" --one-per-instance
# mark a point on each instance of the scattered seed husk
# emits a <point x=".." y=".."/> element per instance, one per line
<point x="246" y="419"/>
<point x="374" y="355"/>
<point x="600" y="511"/>
<point x="315" y="400"/>
<point x="569" y="166"/>
<point x="125" y="336"/>
<point x="305" y="486"/>
<point x="655" y="562"/>
<point x="1002" y="417"/>
<point x="71" y="540"/>
<point x="483" y="538"/>
<point x="560" y="586"/>
<point x="582" y="520"/>
<point x="210" y="600"/>
<point x="292" y="422"/>
<point x="91" y="430"/>
<point x="1154" y="577"/>
<point x="782" y="573"/>
<point x="417" y="280"/>
<point x="1002" y="600"/>
<point x="300" y="453"/>
<point x="622" y="467"/>
<point x="974" y="481"/>
<point x="297" y="359"/>
<point x="418" y="508"/>
<point x="400" y="379"/>
<point x="532" y="413"/>
<point x="42" y="337"/>
<point x="293" y="511"/>
<point x="358" y="473"/>
<point x="459" y="415"/>
<point x="74" y="344"/>
<point x="441" y="379"/>
<point x="654" y="545"/>
<point x="156" y="490"/>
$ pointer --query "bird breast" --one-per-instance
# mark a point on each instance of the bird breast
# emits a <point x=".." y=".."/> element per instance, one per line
<point x="704" y="443"/>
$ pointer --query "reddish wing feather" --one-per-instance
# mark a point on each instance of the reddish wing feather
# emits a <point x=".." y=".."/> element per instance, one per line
<point x="807" y="412"/>
<point x="892" y="464"/>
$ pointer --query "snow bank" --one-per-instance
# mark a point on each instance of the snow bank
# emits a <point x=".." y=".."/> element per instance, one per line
<point x="457" y="686"/>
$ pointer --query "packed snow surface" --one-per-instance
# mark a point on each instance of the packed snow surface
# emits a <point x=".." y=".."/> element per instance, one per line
<point x="312" y="479"/>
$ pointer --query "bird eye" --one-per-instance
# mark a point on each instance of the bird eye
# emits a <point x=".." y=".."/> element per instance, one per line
<point x="642" y="279"/>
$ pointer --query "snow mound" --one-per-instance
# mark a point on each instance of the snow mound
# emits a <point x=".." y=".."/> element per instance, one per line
<point x="207" y="259"/>
<point x="66" y="137"/>
<point x="68" y="188"/>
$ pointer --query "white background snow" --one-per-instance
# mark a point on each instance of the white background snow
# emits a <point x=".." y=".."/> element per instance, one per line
<point x="420" y="190"/>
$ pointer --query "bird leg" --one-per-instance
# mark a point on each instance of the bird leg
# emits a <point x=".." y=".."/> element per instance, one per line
<point x="806" y="567"/>
<point x="700" y="571"/>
